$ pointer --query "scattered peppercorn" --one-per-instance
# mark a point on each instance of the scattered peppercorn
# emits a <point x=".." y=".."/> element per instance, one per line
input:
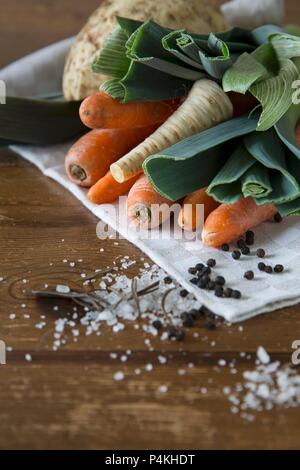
<point x="188" y="320"/>
<point x="168" y="280"/>
<point x="219" y="291"/>
<point x="178" y="335"/>
<point x="183" y="293"/>
<point x="211" y="263"/>
<point x="277" y="218"/>
<point x="196" y="314"/>
<point x="249" y="275"/>
<point x="199" y="266"/>
<point x="228" y="292"/>
<point x="157" y="324"/>
<point x="279" y="268"/>
<point x="268" y="269"/>
<point x="211" y="285"/>
<point x="236" y="294"/>
<point x="260" y="253"/>
<point x="225" y="247"/>
<point x="194" y="280"/>
<point x="203" y="282"/>
<point x="192" y="270"/>
<point x="206" y="270"/>
<point x="261" y="266"/>
<point x="241" y="243"/>
<point x="249" y="237"/>
<point x="220" y="280"/>
<point x="245" y="250"/>
<point x="236" y="254"/>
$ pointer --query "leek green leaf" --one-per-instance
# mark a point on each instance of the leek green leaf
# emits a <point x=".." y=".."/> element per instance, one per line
<point x="39" y="122"/>
<point x="226" y="185"/>
<point x="285" y="129"/>
<point x="275" y="94"/>
<point x="193" y="162"/>
<point x="270" y="152"/>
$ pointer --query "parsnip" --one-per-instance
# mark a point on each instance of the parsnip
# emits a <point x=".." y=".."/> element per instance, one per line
<point x="205" y="106"/>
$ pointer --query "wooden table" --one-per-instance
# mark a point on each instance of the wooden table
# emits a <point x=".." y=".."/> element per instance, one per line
<point x="68" y="399"/>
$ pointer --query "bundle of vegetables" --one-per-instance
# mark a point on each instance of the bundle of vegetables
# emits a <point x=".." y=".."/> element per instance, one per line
<point x="194" y="139"/>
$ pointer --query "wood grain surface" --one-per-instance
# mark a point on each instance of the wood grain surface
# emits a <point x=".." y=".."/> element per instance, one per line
<point x="68" y="399"/>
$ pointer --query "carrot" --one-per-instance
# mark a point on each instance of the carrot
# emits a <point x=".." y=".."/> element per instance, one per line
<point x="107" y="189"/>
<point x="101" y="111"/>
<point x="190" y="216"/>
<point x="91" y="156"/>
<point x="205" y="106"/>
<point x="145" y="207"/>
<point x="230" y="221"/>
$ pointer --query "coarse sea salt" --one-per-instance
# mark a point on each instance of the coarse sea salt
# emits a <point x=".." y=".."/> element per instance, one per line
<point x="61" y="289"/>
<point x="270" y="385"/>
<point x="119" y="376"/>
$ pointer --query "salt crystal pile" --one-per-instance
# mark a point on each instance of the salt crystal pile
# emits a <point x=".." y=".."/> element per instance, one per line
<point x="270" y="385"/>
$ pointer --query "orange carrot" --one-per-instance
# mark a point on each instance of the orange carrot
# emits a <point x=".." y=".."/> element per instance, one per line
<point x="145" y="207"/>
<point x="101" y="111"/>
<point x="230" y="221"/>
<point x="190" y="216"/>
<point x="91" y="156"/>
<point x="107" y="190"/>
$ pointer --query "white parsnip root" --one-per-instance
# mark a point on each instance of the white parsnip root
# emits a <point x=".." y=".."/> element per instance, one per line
<point x="206" y="106"/>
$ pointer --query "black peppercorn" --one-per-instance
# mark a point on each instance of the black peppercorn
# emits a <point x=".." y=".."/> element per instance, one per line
<point x="228" y="292"/>
<point x="241" y="243"/>
<point x="225" y="247"/>
<point x="268" y="269"/>
<point x="195" y="314"/>
<point x="203" y="282"/>
<point x="249" y="275"/>
<point x="211" y="285"/>
<point x="261" y="266"/>
<point x="245" y="250"/>
<point x="206" y="270"/>
<point x="219" y="291"/>
<point x="260" y="253"/>
<point x="187" y="320"/>
<point x="194" y="280"/>
<point x="249" y="237"/>
<point x="168" y="280"/>
<point x="236" y="294"/>
<point x="192" y="270"/>
<point x="278" y="268"/>
<point x="220" y="280"/>
<point x="277" y="218"/>
<point x="236" y="254"/>
<point x="184" y="293"/>
<point x="211" y="263"/>
<point x="157" y="324"/>
<point x="199" y="266"/>
<point x="178" y="335"/>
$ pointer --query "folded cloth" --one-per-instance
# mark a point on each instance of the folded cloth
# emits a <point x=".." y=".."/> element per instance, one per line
<point x="40" y="73"/>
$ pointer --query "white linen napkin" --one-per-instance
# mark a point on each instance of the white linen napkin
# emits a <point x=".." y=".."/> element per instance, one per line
<point x="41" y="72"/>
